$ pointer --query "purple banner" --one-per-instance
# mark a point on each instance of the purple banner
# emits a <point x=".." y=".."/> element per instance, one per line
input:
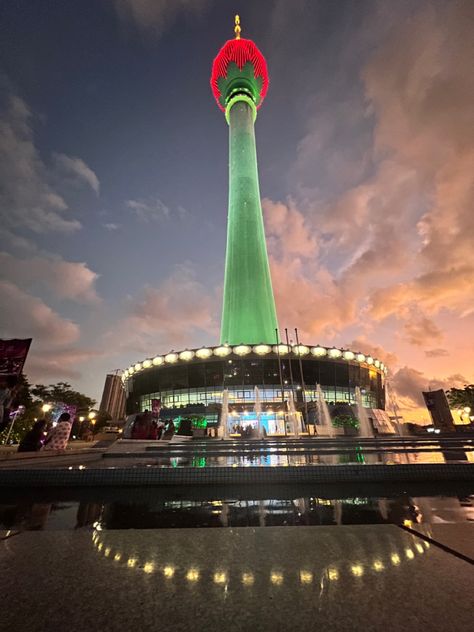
<point x="13" y="355"/>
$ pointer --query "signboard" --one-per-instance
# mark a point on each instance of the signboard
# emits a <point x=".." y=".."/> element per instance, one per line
<point x="13" y="355"/>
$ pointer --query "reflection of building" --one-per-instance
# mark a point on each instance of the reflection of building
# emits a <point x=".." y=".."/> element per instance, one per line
<point x="193" y="381"/>
<point x="113" y="397"/>
<point x="437" y="403"/>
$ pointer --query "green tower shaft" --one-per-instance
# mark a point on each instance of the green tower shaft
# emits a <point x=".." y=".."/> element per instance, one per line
<point x="248" y="313"/>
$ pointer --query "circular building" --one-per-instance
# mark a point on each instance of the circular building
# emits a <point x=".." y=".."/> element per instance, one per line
<point x="191" y="383"/>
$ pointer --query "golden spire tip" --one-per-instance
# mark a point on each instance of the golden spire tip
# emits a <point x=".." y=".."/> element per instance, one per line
<point x="237" y="28"/>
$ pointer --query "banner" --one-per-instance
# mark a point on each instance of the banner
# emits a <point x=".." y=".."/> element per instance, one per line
<point x="13" y="355"/>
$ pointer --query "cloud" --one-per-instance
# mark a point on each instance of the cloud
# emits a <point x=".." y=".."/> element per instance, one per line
<point x="149" y="210"/>
<point x="409" y="383"/>
<point x="376" y="351"/>
<point x="25" y="316"/>
<point x="26" y="200"/>
<point x="436" y="353"/>
<point x="57" y="363"/>
<point x="110" y="226"/>
<point x="77" y="170"/>
<point x="289" y="229"/>
<point x="152" y="16"/>
<point x="178" y="312"/>
<point x="68" y="280"/>
<point x="394" y="233"/>
<point x="421" y="331"/>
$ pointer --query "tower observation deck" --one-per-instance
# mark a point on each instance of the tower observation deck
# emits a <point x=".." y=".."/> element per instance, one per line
<point x="239" y="82"/>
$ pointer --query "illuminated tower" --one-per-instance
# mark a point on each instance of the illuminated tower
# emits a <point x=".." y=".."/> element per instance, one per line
<point x="239" y="81"/>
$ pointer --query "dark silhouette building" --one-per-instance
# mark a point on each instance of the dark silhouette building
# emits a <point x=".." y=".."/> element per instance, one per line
<point x="113" y="397"/>
<point x="437" y="404"/>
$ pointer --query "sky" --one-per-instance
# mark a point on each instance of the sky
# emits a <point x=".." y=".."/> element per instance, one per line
<point x="113" y="181"/>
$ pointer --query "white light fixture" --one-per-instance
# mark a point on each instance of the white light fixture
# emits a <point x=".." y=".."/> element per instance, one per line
<point x="147" y="364"/>
<point x="131" y="370"/>
<point x="171" y="358"/>
<point x="360" y="357"/>
<point x="281" y="349"/>
<point x="203" y="353"/>
<point x="377" y="363"/>
<point x="301" y="350"/>
<point x="138" y="366"/>
<point x="348" y="355"/>
<point x="157" y="360"/>
<point x="242" y="350"/>
<point x="222" y="352"/>
<point x="262" y="349"/>
<point x="369" y="360"/>
<point x="186" y="355"/>
<point x="334" y="353"/>
<point x="319" y="352"/>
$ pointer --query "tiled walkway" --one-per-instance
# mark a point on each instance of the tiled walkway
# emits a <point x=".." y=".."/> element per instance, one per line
<point x="371" y="577"/>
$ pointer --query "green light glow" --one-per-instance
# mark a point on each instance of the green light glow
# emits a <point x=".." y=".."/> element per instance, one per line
<point x="248" y="313"/>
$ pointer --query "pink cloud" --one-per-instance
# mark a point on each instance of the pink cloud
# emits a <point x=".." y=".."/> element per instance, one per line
<point x="25" y="316"/>
<point x="69" y="280"/>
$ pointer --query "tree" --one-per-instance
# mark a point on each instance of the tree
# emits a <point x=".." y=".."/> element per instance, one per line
<point x="32" y="398"/>
<point x="63" y="392"/>
<point x="461" y="397"/>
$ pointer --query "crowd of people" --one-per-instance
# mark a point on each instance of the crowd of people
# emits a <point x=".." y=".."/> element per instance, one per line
<point x="46" y="436"/>
<point x="146" y="427"/>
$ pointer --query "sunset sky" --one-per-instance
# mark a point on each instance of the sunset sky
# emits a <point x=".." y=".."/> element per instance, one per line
<point x="113" y="174"/>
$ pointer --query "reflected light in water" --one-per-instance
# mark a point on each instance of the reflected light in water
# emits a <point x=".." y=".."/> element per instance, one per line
<point x="168" y="572"/>
<point x="149" y="567"/>
<point x="395" y="559"/>
<point x="276" y="578"/>
<point x="118" y="557"/>
<point x="306" y="577"/>
<point x="131" y="562"/>
<point x="107" y="551"/>
<point x="192" y="575"/>
<point x="357" y="570"/>
<point x="220" y="577"/>
<point x="378" y="566"/>
<point x="247" y="579"/>
<point x="419" y="548"/>
<point x="409" y="553"/>
<point x="333" y="574"/>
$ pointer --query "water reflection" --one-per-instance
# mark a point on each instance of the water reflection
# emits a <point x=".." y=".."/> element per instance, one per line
<point x="159" y="512"/>
<point x="353" y="558"/>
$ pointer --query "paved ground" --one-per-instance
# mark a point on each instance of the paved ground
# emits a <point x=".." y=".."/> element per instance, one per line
<point x="372" y="577"/>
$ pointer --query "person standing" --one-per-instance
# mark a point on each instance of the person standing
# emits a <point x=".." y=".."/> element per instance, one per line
<point x="59" y="436"/>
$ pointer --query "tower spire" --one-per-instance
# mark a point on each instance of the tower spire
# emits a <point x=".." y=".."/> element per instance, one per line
<point x="237" y="28"/>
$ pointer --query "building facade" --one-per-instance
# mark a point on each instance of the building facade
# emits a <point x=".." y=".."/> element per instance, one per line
<point x="113" y="397"/>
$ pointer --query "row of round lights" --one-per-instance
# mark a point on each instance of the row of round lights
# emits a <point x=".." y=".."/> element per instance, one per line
<point x="277" y="577"/>
<point x="262" y="349"/>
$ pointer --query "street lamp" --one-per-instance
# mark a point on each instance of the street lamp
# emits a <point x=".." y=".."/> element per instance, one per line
<point x="91" y="415"/>
<point x="46" y="408"/>
<point x="81" y="418"/>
